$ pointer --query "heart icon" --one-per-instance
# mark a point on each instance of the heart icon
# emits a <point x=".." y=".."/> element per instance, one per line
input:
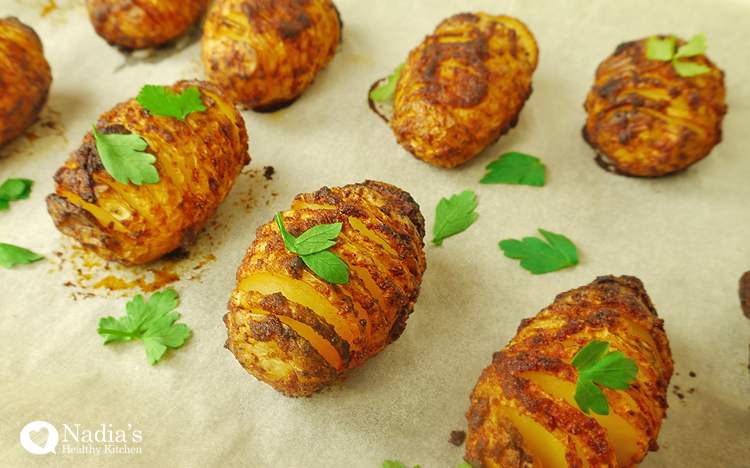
<point x="39" y="437"/>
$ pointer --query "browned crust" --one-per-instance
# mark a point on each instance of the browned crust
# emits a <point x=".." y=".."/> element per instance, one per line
<point x="136" y="24"/>
<point x="265" y="53"/>
<point x="745" y="293"/>
<point x="628" y="107"/>
<point x="165" y="215"/>
<point x="365" y="322"/>
<point x="543" y="344"/>
<point x="25" y="78"/>
<point x="456" y="97"/>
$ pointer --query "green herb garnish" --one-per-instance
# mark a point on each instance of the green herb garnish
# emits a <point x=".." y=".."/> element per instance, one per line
<point x="124" y="157"/>
<point x="149" y="322"/>
<point x="515" y="168"/>
<point x="539" y="257"/>
<point x="14" y="189"/>
<point x="11" y="255"/>
<point x="398" y="464"/>
<point x="454" y="215"/>
<point x="614" y="370"/>
<point x="386" y="91"/>
<point x="663" y="49"/>
<point x="312" y="247"/>
<point x="165" y="102"/>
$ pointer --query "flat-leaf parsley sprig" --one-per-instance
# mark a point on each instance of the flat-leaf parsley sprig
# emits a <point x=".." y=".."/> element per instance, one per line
<point x="387" y="90"/>
<point x="14" y="189"/>
<point x="151" y="322"/>
<point x="663" y="50"/>
<point x="614" y="370"/>
<point x="124" y="157"/>
<point x="312" y="247"/>
<point x="11" y="255"/>
<point x="515" y="168"/>
<point x="454" y="215"/>
<point x="167" y="103"/>
<point x="540" y="257"/>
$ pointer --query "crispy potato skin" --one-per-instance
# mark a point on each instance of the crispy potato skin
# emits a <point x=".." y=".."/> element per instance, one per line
<point x="197" y="159"/>
<point x="463" y="87"/>
<point x="25" y="78"/>
<point x="136" y="24"/>
<point x="278" y="299"/>
<point x="265" y="53"/>
<point x="647" y="120"/>
<point x="610" y="309"/>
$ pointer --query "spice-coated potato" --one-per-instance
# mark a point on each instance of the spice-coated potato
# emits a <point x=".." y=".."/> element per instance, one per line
<point x="647" y="120"/>
<point x="136" y="24"/>
<point x="265" y="53"/>
<point x="295" y="331"/>
<point x="522" y="409"/>
<point x="25" y="78"/>
<point x="197" y="160"/>
<point x="463" y="87"/>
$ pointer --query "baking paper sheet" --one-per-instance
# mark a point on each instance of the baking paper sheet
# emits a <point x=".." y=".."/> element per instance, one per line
<point x="685" y="236"/>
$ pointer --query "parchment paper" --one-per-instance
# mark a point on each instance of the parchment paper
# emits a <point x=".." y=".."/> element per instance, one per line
<point x="685" y="236"/>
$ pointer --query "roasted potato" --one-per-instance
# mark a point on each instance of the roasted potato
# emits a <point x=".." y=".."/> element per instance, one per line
<point x="645" y="119"/>
<point x="522" y="409"/>
<point x="265" y="53"/>
<point x="197" y="159"/>
<point x="463" y="87"/>
<point x="297" y="332"/>
<point x="137" y="24"/>
<point x="25" y="78"/>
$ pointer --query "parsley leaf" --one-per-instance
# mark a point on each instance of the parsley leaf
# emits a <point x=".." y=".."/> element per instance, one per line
<point x="663" y="49"/>
<point x="386" y="91"/>
<point x="312" y="247"/>
<point x="11" y="255"/>
<point x="165" y="102"/>
<point x="124" y="158"/>
<point x="14" y="189"/>
<point x="614" y="370"/>
<point x="398" y="464"/>
<point x="149" y="322"/>
<point x="454" y="215"/>
<point x="539" y="257"/>
<point x="515" y="168"/>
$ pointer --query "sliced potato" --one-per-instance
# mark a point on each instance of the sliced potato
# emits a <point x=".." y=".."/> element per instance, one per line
<point x="25" y="78"/>
<point x="197" y="159"/>
<point x="136" y="24"/>
<point x="645" y="119"/>
<point x="297" y="332"/>
<point x="265" y="53"/>
<point x="463" y="87"/>
<point x="522" y="409"/>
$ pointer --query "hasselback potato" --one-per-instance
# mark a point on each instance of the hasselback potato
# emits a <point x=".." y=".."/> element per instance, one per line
<point x="296" y="331"/>
<point x="265" y="53"/>
<point x="645" y="119"/>
<point x="523" y="411"/>
<point x="25" y="78"/>
<point x="136" y="24"/>
<point x="463" y="87"/>
<point x="197" y="160"/>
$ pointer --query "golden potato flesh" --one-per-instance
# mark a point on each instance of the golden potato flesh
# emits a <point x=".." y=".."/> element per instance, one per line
<point x="523" y="413"/>
<point x="463" y="87"/>
<point x="648" y="121"/>
<point x="136" y="24"/>
<point x="197" y="160"/>
<point x="297" y="332"/>
<point x="25" y="78"/>
<point x="265" y="53"/>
